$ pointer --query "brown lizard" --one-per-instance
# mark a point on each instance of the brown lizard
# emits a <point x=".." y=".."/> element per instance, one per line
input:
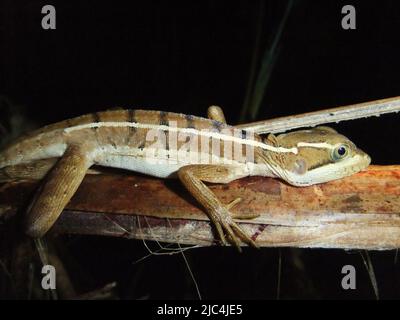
<point x="168" y="145"/>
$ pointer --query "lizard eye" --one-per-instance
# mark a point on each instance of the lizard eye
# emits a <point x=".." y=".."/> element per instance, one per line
<point x="340" y="152"/>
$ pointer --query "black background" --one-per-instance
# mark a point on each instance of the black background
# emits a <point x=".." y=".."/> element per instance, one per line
<point x="184" y="56"/>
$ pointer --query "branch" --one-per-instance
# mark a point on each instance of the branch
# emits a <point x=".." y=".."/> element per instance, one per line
<point x="312" y="119"/>
<point x="361" y="211"/>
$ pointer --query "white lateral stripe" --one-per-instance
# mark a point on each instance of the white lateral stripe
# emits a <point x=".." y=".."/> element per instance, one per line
<point x="321" y="145"/>
<point x="183" y="130"/>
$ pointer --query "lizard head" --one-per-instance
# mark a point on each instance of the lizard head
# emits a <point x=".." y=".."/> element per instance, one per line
<point x="322" y="155"/>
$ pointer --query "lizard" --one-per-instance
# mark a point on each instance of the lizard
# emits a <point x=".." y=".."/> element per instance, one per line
<point x="125" y="139"/>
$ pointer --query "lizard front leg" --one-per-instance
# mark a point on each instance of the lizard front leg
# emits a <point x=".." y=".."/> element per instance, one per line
<point x="192" y="176"/>
<point x="58" y="188"/>
<point x="216" y="113"/>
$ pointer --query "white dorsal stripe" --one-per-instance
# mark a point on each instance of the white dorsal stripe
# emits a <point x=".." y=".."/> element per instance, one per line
<point x="320" y="145"/>
<point x="205" y="133"/>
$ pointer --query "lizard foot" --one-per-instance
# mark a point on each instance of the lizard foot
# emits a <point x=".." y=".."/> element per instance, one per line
<point x="233" y="231"/>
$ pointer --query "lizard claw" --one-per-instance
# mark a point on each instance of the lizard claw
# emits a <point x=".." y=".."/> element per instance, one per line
<point x="234" y="232"/>
<point x="234" y="215"/>
<point x="230" y="205"/>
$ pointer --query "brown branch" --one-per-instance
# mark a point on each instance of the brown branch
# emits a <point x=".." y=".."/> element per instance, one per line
<point x="312" y="119"/>
<point x="361" y="211"/>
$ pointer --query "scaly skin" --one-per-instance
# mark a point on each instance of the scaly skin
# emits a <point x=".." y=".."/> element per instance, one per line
<point x="129" y="139"/>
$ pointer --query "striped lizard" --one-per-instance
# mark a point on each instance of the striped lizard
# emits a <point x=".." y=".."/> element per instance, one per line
<point x="167" y="145"/>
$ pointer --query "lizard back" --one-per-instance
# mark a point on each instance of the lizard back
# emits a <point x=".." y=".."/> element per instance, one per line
<point x="127" y="134"/>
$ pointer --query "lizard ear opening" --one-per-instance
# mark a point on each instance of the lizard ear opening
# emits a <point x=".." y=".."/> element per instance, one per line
<point x="326" y="129"/>
<point x="300" y="166"/>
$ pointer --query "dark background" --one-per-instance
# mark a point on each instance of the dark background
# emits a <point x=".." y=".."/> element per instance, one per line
<point x="184" y="56"/>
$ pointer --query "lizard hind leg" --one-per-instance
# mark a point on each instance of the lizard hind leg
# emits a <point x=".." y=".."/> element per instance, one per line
<point x="58" y="188"/>
<point x="216" y="113"/>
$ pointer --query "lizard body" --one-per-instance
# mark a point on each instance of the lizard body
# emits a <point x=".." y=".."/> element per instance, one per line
<point x="168" y="145"/>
